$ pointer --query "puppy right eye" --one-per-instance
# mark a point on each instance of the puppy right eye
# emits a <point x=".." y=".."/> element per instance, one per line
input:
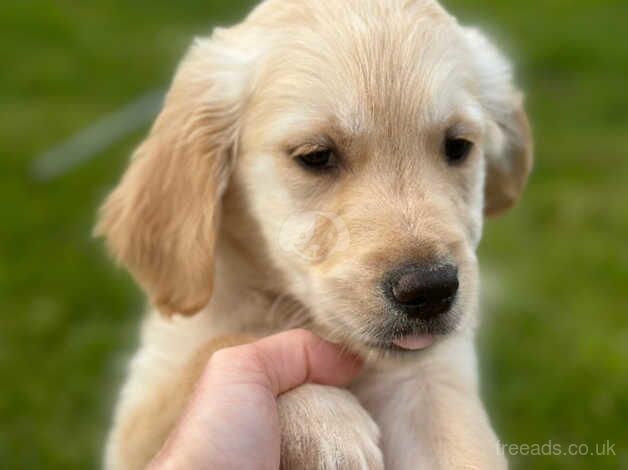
<point x="457" y="150"/>
<point x="320" y="160"/>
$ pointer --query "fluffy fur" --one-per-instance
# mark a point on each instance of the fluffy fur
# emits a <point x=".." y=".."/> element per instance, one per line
<point x="198" y="218"/>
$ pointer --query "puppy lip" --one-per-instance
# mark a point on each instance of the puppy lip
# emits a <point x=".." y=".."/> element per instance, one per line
<point x="406" y="344"/>
<point x="414" y="342"/>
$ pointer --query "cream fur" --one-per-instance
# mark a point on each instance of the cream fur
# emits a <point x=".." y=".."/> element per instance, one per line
<point x="200" y="215"/>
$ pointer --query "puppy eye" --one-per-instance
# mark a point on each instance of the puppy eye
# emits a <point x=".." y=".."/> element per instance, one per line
<point x="457" y="150"/>
<point x="320" y="160"/>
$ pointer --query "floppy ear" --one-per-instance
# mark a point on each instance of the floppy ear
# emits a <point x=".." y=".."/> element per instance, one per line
<point x="161" y="221"/>
<point x="509" y="146"/>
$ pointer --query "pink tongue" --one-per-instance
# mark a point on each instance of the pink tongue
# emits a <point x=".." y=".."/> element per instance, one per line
<point x="414" y="343"/>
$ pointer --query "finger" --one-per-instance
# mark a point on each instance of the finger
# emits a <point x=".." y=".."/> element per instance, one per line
<point x="295" y="357"/>
<point x="237" y="392"/>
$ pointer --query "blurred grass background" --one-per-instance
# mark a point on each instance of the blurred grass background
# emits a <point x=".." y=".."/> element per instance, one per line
<point x="555" y="345"/>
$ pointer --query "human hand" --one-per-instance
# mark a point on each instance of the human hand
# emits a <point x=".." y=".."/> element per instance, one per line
<point x="231" y="421"/>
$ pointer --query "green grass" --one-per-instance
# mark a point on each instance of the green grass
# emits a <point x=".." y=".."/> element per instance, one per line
<point x="555" y="342"/>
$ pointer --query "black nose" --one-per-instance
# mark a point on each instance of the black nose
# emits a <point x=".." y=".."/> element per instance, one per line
<point x="423" y="291"/>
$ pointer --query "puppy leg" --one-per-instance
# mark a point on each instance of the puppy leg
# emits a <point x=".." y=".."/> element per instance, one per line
<point x="456" y="432"/>
<point x="326" y="428"/>
<point x="431" y="416"/>
<point x="140" y="430"/>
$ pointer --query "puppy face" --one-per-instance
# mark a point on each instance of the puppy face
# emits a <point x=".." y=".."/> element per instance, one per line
<point x="362" y="141"/>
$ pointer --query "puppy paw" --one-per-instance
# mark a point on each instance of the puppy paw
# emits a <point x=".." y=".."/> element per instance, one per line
<point x="326" y="428"/>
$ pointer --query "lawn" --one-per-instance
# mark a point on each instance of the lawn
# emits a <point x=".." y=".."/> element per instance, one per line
<point x="555" y="342"/>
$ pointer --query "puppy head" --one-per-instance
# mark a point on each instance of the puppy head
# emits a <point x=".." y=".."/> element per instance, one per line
<point x="363" y="141"/>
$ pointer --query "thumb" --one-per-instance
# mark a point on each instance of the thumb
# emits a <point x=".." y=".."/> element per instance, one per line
<point x="295" y="357"/>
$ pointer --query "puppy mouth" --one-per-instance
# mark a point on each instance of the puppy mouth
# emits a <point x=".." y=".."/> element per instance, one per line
<point x="414" y="342"/>
<point x="407" y="343"/>
<point x="410" y="338"/>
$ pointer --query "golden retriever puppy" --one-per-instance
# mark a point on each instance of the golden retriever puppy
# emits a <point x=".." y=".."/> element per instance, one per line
<point x="325" y="164"/>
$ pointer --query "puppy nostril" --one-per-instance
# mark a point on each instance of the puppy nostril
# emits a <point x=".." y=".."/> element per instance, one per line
<point x="424" y="291"/>
<point x="403" y="289"/>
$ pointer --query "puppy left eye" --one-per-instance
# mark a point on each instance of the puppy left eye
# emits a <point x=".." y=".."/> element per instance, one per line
<point x="457" y="150"/>
<point x="319" y="160"/>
